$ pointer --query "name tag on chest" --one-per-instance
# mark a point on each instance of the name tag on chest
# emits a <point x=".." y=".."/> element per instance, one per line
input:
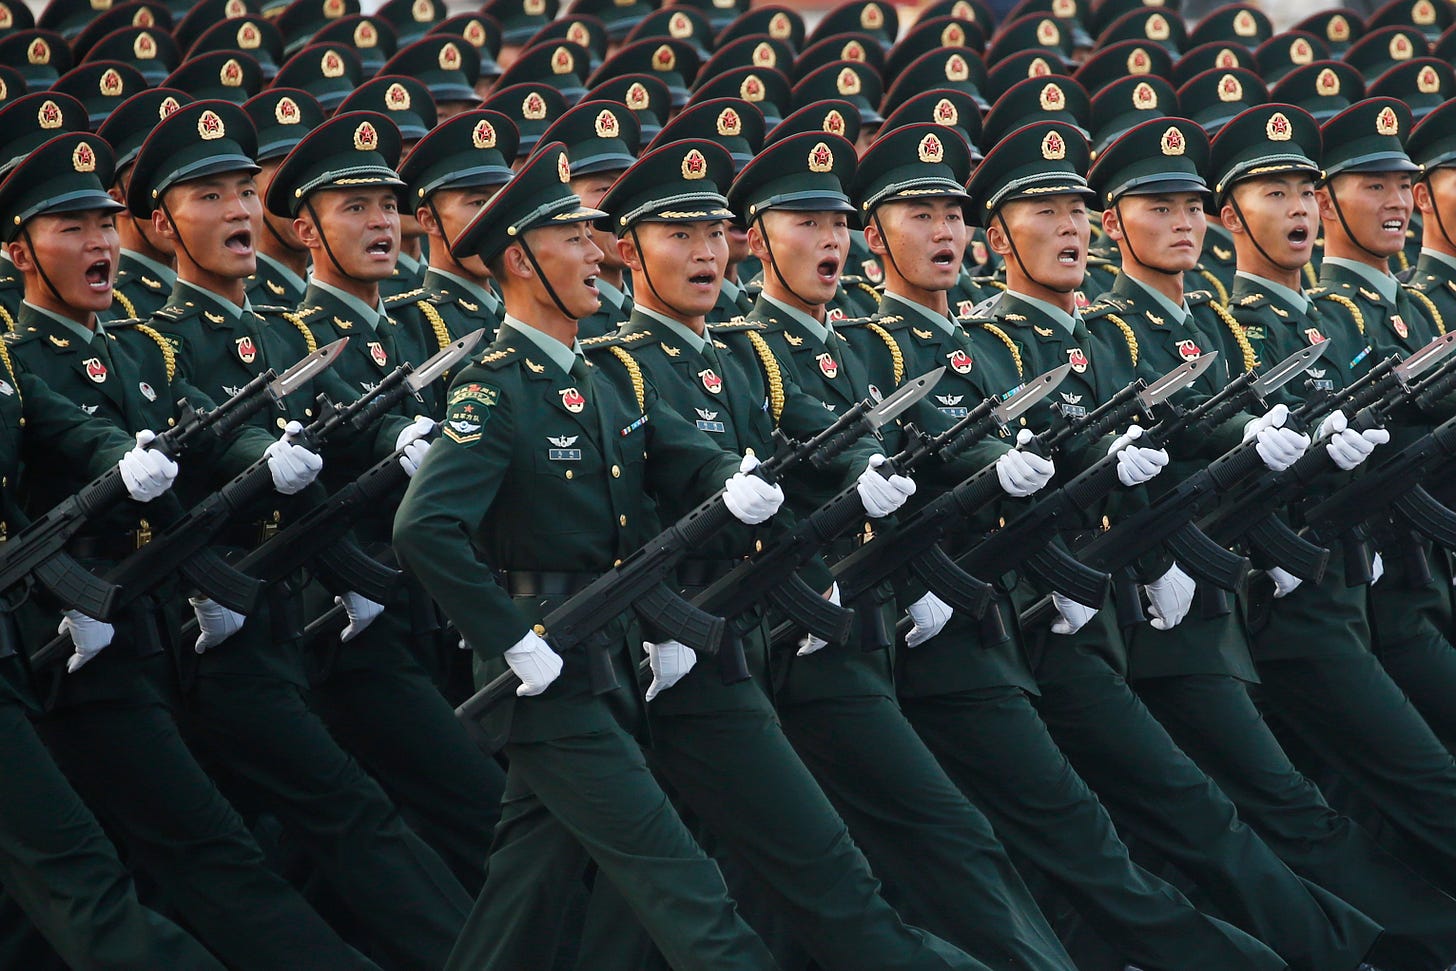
<point x="563" y="454"/>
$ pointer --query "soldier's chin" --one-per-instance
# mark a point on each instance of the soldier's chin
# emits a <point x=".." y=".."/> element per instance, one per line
<point x="585" y="305"/>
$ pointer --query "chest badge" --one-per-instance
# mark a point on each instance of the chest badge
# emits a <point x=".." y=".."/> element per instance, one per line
<point x="828" y="366"/>
<point x="711" y="382"/>
<point x="247" y="350"/>
<point x="960" y="361"/>
<point x="1313" y="335"/>
<point x="708" y="421"/>
<point x="1188" y="350"/>
<point x="561" y="450"/>
<point x="572" y="400"/>
<point x="964" y="308"/>
<point x="95" y="370"/>
<point x="6" y="389"/>
<point x="376" y="352"/>
<point x="1399" y="325"/>
<point x="147" y="391"/>
<point x="1078" y="359"/>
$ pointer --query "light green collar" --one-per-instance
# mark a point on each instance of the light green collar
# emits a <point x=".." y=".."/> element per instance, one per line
<point x="224" y="306"/>
<point x="293" y="279"/>
<point x="1294" y="298"/>
<point x="618" y="297"/>
<point x="471" y="288"/>
<point x="76" y="330"/>
<point x="408" y="265"/>
<point x="820" y="331"/>
<point x="1176" y="313"/>
<point x="371" y="316"/>
<point x="1384" y="284"/>
<point x="1450" y="261"/>
<point x="161" y="271"/>
<point x="1059" y="316"/>
<point x="731" y="290"/>
<point x="556" y="352"/>
<point x="895" y="303"/>
<point x="683" y="332"/>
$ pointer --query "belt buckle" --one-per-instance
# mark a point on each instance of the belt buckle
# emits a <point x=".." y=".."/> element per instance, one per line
<point x="269" y="528"/>
<point x="143" y="533"/>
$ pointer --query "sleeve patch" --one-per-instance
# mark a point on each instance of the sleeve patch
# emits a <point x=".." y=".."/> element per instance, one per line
<point x="467" y="412"/>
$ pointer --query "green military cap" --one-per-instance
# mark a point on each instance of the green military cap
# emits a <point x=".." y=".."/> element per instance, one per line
<point x="1213" y="97"/>
<point x="1338" y="28"/>
<point x="771" y="20"/>
<point x="720" y="13"/>
<point x="1126" y="103"/>
<point x="481" y="32"/>
<point x="1324" y="88"/>
<point x="1430" y="17"/>
<point x="281" y="117"/>
<point x="1422" y="84"/>
<point x="1011" y="71"/>
<point x="1268" y="139"/>
<point x="1236" y="23"/>
<point x="227" y="75"/>
<point x="831" y="115"/>
<point x="1038" y="99"/>
<point x="439" y="62"/>
<point x="858" y="47"/>
<point x="600" y="136"/>
<point x="1034" y="32"/>
<point x="852" y="81"/>
<point x="40" y="55"/>
<point x="673" y="61"/>
<point x="910" y="163"/>
<point x="929" y="35"/>
<point x="411" y="19"/>
<point x="328" y="71"/>
<point x="687" y="24"/>
<point x="973" y="10"/>
<point x="67" y="173"/>
<point x="519" y="19"/>
<point x="1368" y="136"/>
<point x="100" y="86"/>
<point x="806" y="172"/>
<point x="940" y="106"/>
<point x="301" y="19"/>
<point x="1432" y="142"/>
<point x="252" y="34"/>
<point x="14" y="16"/>
<point x="1209" y="57"/>
<point x="149" y="50"/>
<point x="197" y="140"/>
<point x="402" y="100"/>
<point x="731" y="122"/>
<point x="1107" y="11"/>
<point x="645" y="94"/>
<point x="766" y="89"/>
<point x="958" y="69"/>
<point x="1286" y="52"/>
<point x="372" y="39"/>
<point x="759" y="51"/>
<point x="1150" y="24"/>
<point x="132" y="121"/>
<point x="559" y="63"/>
<point x="32" y="119"/>
<point x="620" y="16"/>
<point x="531" y="107"/>
<point x="677" y="183"/>
<point x="352" y="149"/>
<point x="1128" y="58"/>
<point x="12" y="85"/>
<point x="1161" y="155"/>
<point x="1041" y="159"/>
<point x="581" y="29"/>
<point x="471" y="150"/>
<point x="539" y="195"/>
<point x="1073" y="13"/>
<point x="138" y="13"/>
<point x="1445" y="47"/>
<point x="877" y="18"/>
<point x="1382" y="49"/>
<point x="204" y="16"/>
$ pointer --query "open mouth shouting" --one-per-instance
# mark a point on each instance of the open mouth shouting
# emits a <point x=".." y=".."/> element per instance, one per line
<point x="1299" y="238"/>
<point x="98" y="276"/>
<point x="240" y="243"/>
<point x="381" y="248"/>
<point x="1069" y="256"/>
<point x="828" y="270"/>
<point x="943" y="257"/>
<point x="703" y="280"/>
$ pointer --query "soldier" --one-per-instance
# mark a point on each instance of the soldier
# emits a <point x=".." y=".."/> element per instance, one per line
<point x="282" y="116"/>
<point x="249" y="702"/>
<point x="578" y="784"/>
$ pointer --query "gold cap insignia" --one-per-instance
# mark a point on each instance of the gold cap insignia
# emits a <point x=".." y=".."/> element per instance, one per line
<point x="1278" y="128"/>
<point x="450" y="57"/>
<point x="83" y="158"/>
<point x="1386" y="122"/>
<point x="751" y="89"/>
<point x="49" y="115"/>
<point x="483" y="134"/>
<point x="930" y="150"/>
<point x="946" y="113"/>
<point x="366" y="137"/>
<point x="287" y="111"/>
<point x="562" y="62"/>
<point x="1173" y="142"/>
<point x="474" y="33"/>
<point x="563" y="167"/>
<point x="729" y="123"/>
<point x="1327" y="83"/>
<point x="963" y="10"/>
<point x="231" y="75"/>
<point x="100" y="4"/>
<point x="111" y="84"/>
<point x="853" y="51"/>
<point x="1038" y="68"/>
<point x="1423" y="14"/>
<point x="607" y="125"/>
<point x="423" y="11"/>
<point x="39" y="52"/>
<point x="397" y="97"/>
<point x="694" y="165"/>
<point x="534" y="107"/>
<point x="1053" y="147"/>
<point x="848" y="81"/>
<point x="871" y="17"/>
<point x="821" y="159"/>
<point x="1226" y="59"/>
<point x="1428" y="81"/>
<point x="1245" y="25"/>
<point x="663" y="59"/>
<point x="144" y="18"/>
<point x="679" y="26"/>
<point x="234" y="9"/>
<point x="366" y="35"/>
<point x="249" y="37"/>
<point x="1053" y="98"/>
<point x="1401" y="48"/>
<point x="1157" y="28"/>
<point x="957" y="68"/>
<point x="332" y="66"/>
<point x="1066" y="9"/>
<point x="145" y="46"/>
<point x="7" y="17"/>
<point x="834" y="122"/>
<point x="1338" y="29"/>
<point x="637" y="97"/>
<point x="1230" y="89"/>
<point x="954" y="35"/>
<point x="169" y="104"/>
<point x="1144" y="97"/>
<point x="780" y="27"/>
<point x="1138" y="62"/>
<point x="577" y="34"/>
<point x="765" y="56"/>
<point x="1300" y="52"/>
<point x="210" y="126"/>
<point x="533" y="8"/>
<point x="333" y="9"/>
<point x="1048" y="34"/>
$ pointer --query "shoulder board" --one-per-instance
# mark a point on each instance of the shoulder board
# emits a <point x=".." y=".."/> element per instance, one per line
<point x="409" y="296"/>
<point x="1197" y="297"/>
<point x="1252" y="300"/>
<point x="303" y="312"/>
<point x="856" y="322"/>
<point x="1317" y="291"/>
<point x="496" y="359"/>
<point x="606" y="342"/>
<point x="123" y="322"/>
<point x="739" y="324"/>
<point x="174" y="312"/>
<point x="270" y="308"/>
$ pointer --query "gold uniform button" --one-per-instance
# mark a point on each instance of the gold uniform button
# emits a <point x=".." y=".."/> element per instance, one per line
<point x="568" y="473"/>
<point x="283" y="423"/>
<point x="540" y="630"/>
<point x="616" y="471"/>
<point x="616" y="563"/>
<point x="621" y="520"/>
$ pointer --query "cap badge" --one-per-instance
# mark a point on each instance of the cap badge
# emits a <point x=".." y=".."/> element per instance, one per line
<point x="7" y="19"/>
<point x="1423" y="14"/>
<point x="39" y="52"/>
<point x="250" y="38"/>
<point x="234" y="9"/>
<point x="751" y="89"/>
<point x="954" y="35"/>
<point x="1338" y="29"/>
<point x="637" y="97"/>
<point x="1230" y="89"/>
<point x="423" y="11"/>
<point x="957" y="68"/>
<point x="679" y="26"/>
<point x="169" y="104"/>
<point x="1327" y="83"/>
<point x="931" y="150"/>
<point x="1300" y="52"/>
<point x="578" y="34"/>
<point x="474" y="33"/>
<point x="694" y="165"/>
<point x="1428" y="81"/>
<point x="210" y="126"/>
<point x="562" y="62"/>
<point x="483" y="134"/>
<point x="287" y="111"/>
<point x="83" y="158"/>
<point x="871" y="17"/>
<point x="450" y="58"/>
<point x="729" y="123"/>
<point x="1278" y="128"/>
<point x="332" y="66"/>
<point x="765" y="56"/>
<point x="534" y="107"/>
<point x="1386" y="123"/>
<point x="1157" y="28"/>
<point x="563" y="167"/>
<point x="1144" y="98"/>
<point x="1048" y="34"/>
<point x="834" y="122"/>
<point x="607" y="125"/>
<point x="231" y="74"/>
<point x="1066" y="9"/>
<point x="533" y="8"/>
<point x="1245" y="25"/>
<point x="1401" y="48"/>
<point x="397" y="97"/>
<point x="366" y="137"/>
<point x="111" y="84"/>
<point x="144" y="18"/>
<point x="779" y="27"/>
<point x="1173" y="142"/>
<point x="1226" y="59"/>
<point x="821" y="159"/>
<point x="1053" y="147"/>
<point x="145" y="46"/>
<point x="1138" y="62"/>
<point x="366" y="36"/>
<point x="1038" y="68"/>
<point x="49" y="116"/>
<point x="1053" y="98"/>
<point x="848" y="82"/>
<point x="663" y="59"/>
<point x="945" y="112"/>
<point x="963" y="9"/>
<point x="333" y="9"/>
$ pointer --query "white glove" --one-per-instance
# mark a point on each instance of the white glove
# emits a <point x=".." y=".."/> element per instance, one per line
<point x="1022" y="473"/>
<point x="147" y="472"/>
<point x="1136" y="464"/>
<point x="929" y="614"/>
<point x="535" y="663"/>
<point x="216" y="622"/>
<point x="1347" y="447"/>
<point x="89" y="637"/>
<point x="670" y="661"/>
<point x="808" y="644"/>
<point x="749" y="498"/>
<point x="880" y="495"/>
<point x="361" y="612"/>
<point x="1278" y="446"/>
<point x="292" y="466"/>
<point x="1170" y="596"/>
<point x="1285" y="582"/>
<point x="1377" y="569"/>
<point x="1073" y="616"/>
<point x="416" y="446"/>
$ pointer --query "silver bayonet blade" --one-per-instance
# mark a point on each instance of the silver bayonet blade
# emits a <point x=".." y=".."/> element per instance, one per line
<point x="1030" y="393"/>
<point x="1427" y="357"/>
<point x="1176" y="380"/>
<point x="906" y="395"/>
<point x="307" y="369"/>
<point x="1286" y="370"/>
<point x="452" y="355"/>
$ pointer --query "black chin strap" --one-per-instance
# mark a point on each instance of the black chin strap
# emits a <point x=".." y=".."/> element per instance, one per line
<point x="1249" y="232"/>
<point x="35" y="258"/>
<point x="545" y="280"/>
<point x="682" y="315"/>
<point x="180" y="241"/>
<point x="1350" y="233"/>
<point x="774" y="265"/>
<point x="323" y="237"/>
<point x="268" y="225"/>
<point x="1011" y="241"/>
<point x="885" y="241"/>
<point x="1127" y="239"/>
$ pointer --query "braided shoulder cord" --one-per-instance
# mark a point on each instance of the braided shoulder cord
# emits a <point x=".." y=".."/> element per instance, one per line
<point x="10" y="369"/>
<point x="437" y="323"/>
<point x="897" y="358"/>
<point x="303" y="329"/>
<point x="1127" y="335"/>
<point x="1251" y="360"/>
<point x="168" y="355"/>
<point x="1430" y="308"/>
<point x="634" y="372"/>
<point x="117" y="295"/>
<point x="1005" y="338"/>
<point x="1216" y="283"/>
<point x="772" y="375"/>
<point x="1349" y="305"/>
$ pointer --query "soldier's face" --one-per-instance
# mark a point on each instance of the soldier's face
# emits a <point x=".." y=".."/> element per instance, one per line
<point x="78" y="253"/>
<point x="1376" y="206"/>
<point x="809" y="250"/>
<point x="684" y="266"/>
<point x="737" y="244"/>
<point x="362" y="227"/>
<point x="1437" y="189"/>
<point x="922" y="243"/>
<point x="283" y="227"/>
<point x="1165" y="232"/>
<point x="591" y="189"/>
<point x="449" y="212"/>
<point x="217" y="220"/>
<point x="570" y="259"/>
<point x="1050" y="237"/>
<point x="1280" y="213"/>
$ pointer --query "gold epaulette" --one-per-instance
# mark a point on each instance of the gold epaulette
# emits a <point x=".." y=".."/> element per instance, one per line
<point x="1005" y="338"/>
<point x="1348" y="304"/>
<point x="169" y="356"/>
<point x="735" y="324"/>
<point x="1430" y="306"/>
<point x="1251" y="360"/>
<point x="897" y="359"/>
<point x="496" y="358"/>
<point x="773" y="377"/>
<point x="296" y="319"/>
<point x="634" y="373"/>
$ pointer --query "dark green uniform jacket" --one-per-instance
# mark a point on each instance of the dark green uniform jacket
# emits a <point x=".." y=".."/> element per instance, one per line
<point x="274" y="285"/>
<point x="142" y="289"/>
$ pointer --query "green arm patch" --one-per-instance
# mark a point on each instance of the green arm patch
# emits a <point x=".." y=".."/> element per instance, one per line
<point x="467" y="412"/>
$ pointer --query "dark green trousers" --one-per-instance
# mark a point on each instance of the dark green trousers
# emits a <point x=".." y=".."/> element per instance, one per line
<point x="1412" y="631"/>
<point x="592" y="796"/>
<point x="1215" y="721"/>
<point x="1156" y="791"/>
<point x="997" y="749"/>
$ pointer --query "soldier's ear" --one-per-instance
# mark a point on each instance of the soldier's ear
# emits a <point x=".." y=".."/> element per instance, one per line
<point x="997" y="237"/>
<point x="1111" y="225"/>
<point x="1326" y="203"/>
<point x="1229" y="217"/>
<point x="755" y="241"/>
<point x="873" y="239"/>
<point x="306" y="231"/>
<point x="20" y="256"/>
<point x="513" y="261"/>
<point x="1421" y="193"/>
<point x="627" y="251"/>
<point x="426" y="218"/>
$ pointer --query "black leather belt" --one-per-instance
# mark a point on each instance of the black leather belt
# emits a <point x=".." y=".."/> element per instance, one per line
<point x="543" y="583"/>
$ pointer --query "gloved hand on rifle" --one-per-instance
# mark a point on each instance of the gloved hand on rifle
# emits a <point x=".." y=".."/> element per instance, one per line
<point x="929" y="614"/>
<point x="1278" y="446"/>
<point x="146" y="472"/>
<point x="534" y="662"/>
<point x="216" y="623"/>
<point x="1285" y="582"/>
<point x="1169" y="597"/>
<point x="416" y="446"/>
<point x="1347" y="448"/>
<point x="293" y="467"/>
<point x="882" y="494"/>
<point x="1022" y="473"/>
<point x="1136" y="464"/>
<point x="750" y="498"/>
<point x="88" y="636"/>
<point x="670" y="662"/>
<point x="1071" y="616"/>
<point x="361" y="612"/>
